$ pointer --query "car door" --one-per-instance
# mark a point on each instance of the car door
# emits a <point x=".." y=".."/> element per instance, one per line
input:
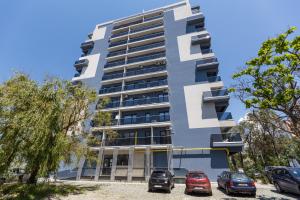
<point x="223" y="179"/>
<point x="290" y="183"/>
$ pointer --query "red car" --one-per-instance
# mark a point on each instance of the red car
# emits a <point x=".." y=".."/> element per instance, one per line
<point x="197" y="181"/>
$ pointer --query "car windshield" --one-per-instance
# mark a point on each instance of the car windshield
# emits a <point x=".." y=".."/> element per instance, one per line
<point x="159" y="174"/>
<point x="296" y="172"/>
<point x="196" y="175"/>
<point x="239" y="176"/>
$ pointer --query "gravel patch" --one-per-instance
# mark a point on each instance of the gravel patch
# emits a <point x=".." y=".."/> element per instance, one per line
<point x="138" y="191"/>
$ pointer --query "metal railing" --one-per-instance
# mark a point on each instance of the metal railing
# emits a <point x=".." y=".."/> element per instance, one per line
<point x="146" y="57"/>
<point x="116" y="53"/>
<point x="224" y="115"/>
<point x="148" y="36"/>
<point x="227" y="137"/>
<point x="145" y="27"/>
<point x="153" y="17"/>
<point x="144" y="119"/>
<point x="147" y="46"/>
<point x="145" y="70"/>
<point x="114" y="63"/>
<point x="112" y="76"/>
<point x="112" y="44"/>
<point x="206" y="61"/>
<point x="119" y="34"/>
<point x="142" y="101"/>
<point x="147" y="140"/>
<point x="145" y="84"/>
<point x="110" y="89"/>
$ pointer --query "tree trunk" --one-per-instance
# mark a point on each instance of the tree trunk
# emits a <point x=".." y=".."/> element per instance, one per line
<point x="33" y="175"/>
<point x="234" y="162"/>
<point x="241" y="159"/>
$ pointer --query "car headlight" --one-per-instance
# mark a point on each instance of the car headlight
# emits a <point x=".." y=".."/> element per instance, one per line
<point x="166" y="181"/>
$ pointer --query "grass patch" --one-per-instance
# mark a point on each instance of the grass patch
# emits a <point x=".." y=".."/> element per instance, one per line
<point x="18" y="191"/>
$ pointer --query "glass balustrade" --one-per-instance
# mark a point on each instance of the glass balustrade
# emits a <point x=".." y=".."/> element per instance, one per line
<point x="145" y="70"/>
<point x="145" y="85"/>
<point x="147" y="100"/>
<point x="224" y="115"/>
<point x="144" y="47"/>
<point x="148" y="36"/>
<point x="146" y="57"/>
<point x="110" y="89"/>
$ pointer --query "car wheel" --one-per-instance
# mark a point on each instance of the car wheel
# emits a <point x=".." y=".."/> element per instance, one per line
<point x="169" y="190"/>
<point x="210" y="193"/>
<point x="227" y="190"/>
<point x="173" y="186"/>
<point x="150" y="190"/>
<point x="253" y="194"/>
<point x="186" y="192"/>
<point x="278" y="188"/>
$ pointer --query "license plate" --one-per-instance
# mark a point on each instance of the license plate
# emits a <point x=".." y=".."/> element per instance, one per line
<point x="243" y="184"/>
<point x="157" y="186"/>
<point x="198" y="188"/>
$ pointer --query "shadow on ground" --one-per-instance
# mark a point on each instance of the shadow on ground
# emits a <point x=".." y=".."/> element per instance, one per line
<point x="41" y="191"/>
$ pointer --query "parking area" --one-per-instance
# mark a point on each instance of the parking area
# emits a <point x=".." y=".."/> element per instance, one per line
<point x="138" y="191"/>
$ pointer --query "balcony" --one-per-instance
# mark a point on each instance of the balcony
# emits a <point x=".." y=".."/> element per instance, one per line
<point x="146" y="57"/>
<point x="206" y="51"/>
<point x="86" y="46"/>
<point x="233" y="141"/>
<point x="145" y="85"/>
<point x="77" y="75"/>
<point x="112" y="76"/>
<point x="201" y="39"/>
<point x="152" y="17"/>
<point x="114" y="63"/>
<point x="144" y="37"/>
<point x="134" y="30"/>
<point x="216" y="96"/>
<point x="113" y="104"/>
<point x="224" y="116"/>
<point x="79" y="64"/>
<point x="210" y="79"/>
<point x="116" y="53"/>
<point x="110" y="89"/>
<point x="207" y="63"/>
<point x="113" y="44"/>
<point x="119" y="34"/>
<point x="145" y="70"/>
<point x="148" y="46"/>
<point x="143" y="101"/>
<point x="195" y="9"/>
<point x="127" y="24"/>
<point x="144" y="119"/>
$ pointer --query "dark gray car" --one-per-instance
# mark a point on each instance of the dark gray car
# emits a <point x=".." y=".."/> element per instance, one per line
<point x="287" y="179"/>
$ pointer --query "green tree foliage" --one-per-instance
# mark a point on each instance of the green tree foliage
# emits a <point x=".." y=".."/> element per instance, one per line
<point x="265" y="144"/>
<point x="271" y="80"/>
<point x="40" y="125"/>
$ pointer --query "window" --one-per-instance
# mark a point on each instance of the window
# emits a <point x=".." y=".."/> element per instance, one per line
<point x="122" y="160"/>
<point x="147" y="118"/>
<point x="164" y="116"/>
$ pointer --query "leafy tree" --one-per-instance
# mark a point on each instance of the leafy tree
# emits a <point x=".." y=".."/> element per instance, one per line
<point x="271" y="80"/>
<point x="41" y="125"/>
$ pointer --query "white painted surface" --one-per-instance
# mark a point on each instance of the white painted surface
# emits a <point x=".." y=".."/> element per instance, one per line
<point x="99" y="33"/>
<point x="90" y="70"/>
<point x="193" y="101"/>
<point x="182" y="12"/>
<point x="185" y="47"/>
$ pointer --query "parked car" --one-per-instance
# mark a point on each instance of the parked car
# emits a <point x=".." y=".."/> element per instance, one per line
<point x="197" y="181"/>
<point x="161" y="179"/>
<point x="287" y="179"/>
<point x="269" y="171"/>
<point x="236" y="182"/>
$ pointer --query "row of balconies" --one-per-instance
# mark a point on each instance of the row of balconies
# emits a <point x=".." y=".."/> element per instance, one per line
<point x="133" y="86"/>
<point x="135" y="39"/>
<point x="135" y="49"/>
<point x="128" y="141"/>
<point x="142" y="119"/>
<point x="134" y="72"/>
<point x="144" y="19"/>
<point x="135" y="59"/>
<point x="138" y="29"/>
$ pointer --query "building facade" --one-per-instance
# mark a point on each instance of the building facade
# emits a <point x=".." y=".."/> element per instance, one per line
<point x="167" y="102"/>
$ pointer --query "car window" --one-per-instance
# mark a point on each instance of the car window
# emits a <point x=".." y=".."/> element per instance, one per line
<point x="238" y="176"/>
<point x="197" y="175"/>
<point x="295" y="172"/>
<point x="159" y="174"/>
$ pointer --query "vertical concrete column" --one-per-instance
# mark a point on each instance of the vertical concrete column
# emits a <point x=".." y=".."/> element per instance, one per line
<point x="152" y="134"/>
<point x="99" y="164"/>
<point x="130" y="163"/>
<point x="170" y="158"/>
<point x="80" y="166"/>
<point x="114" y="164"/>
<point x="147" y="163"/>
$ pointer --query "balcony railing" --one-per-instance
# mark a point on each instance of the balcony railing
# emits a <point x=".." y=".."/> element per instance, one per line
<point x="146" y="57"/>
<point x="113" y="104"/>
<point x="145" y="70"/>
<point x="228" y="137"/>
<point x="210" y="79"/>
<point x="115" y="63"/>
<point x="148" y="46"/>
<point x="144" y="119"/>
<point x="112" y="76"/>
<point x="216" y="95"/>
<point x="112" y="44"/>
<point x="224" y="115"/>
<point x="116" y="53"/>
<point x="126" y="141"/>
<point x="119" y="34"/>
<point x="206" y="61"/>
<point x="197" y="39"/>
<point x="145" y="27"/>
<point x="110" y="89"/>
<point x="128" y="24"/>
<point x="143" y="101"/>
<point x="79" y="64"/>
<point x="206" y="51"/>
<point x="153" y="17"/>
<point x="145" y="85"/>
<point x="87" y="45"/>
<point x="148" y="36"/>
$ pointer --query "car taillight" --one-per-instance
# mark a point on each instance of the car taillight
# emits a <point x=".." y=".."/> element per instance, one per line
<point x="252" y="184"/>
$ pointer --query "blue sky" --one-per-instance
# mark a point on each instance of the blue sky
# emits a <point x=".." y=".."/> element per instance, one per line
<point x="42" y="38"/>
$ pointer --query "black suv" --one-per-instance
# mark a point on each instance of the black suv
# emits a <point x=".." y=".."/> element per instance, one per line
<point x="287" y="179"/>
<point x="161" y="179"/>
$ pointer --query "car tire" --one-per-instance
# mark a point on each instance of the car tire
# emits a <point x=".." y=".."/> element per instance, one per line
<point x="173" y="186"/>
<point x="227" y="190"/>
<point x="219" y="186"/>
<point x="169" y="190"/>
<point x="253" y="194"/>
<point x="278" y="188"/>
<point x="210" y="194"/>
<point x="186" y="192"/>
<point x="150" y="190"/>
